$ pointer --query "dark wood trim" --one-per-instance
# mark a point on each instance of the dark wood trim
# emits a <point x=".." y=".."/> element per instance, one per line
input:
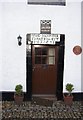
<point x="29" y="74"/>
<point x="9" y="96"/>
<point x="78" y="96"/>
<point x="60" y="67"/>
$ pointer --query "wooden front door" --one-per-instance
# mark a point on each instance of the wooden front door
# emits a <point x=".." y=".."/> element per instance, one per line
<point x="44" y="69"/>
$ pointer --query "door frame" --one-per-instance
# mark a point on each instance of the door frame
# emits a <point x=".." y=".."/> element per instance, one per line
<point x="60" y="67"/>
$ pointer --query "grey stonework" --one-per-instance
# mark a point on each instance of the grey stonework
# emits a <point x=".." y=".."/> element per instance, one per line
<point x="31" y="110"/>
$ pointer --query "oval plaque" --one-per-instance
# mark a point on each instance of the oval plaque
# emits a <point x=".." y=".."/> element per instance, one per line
<point x="77" y="50"/>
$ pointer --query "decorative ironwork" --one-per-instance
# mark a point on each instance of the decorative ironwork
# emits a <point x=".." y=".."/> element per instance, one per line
<point x="45" y="26"/>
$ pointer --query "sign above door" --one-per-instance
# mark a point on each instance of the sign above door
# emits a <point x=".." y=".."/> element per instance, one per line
<point x="45" y="38"/>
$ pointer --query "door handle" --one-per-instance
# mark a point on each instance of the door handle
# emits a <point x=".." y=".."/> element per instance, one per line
<point x="45" y="66"/>
<point x="33" y="68"/>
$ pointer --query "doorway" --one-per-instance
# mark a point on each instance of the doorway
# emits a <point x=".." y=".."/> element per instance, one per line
<point x="44" y="69"/>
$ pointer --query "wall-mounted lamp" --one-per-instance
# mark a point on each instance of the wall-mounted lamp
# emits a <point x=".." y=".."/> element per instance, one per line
<point x="19" y="40"/>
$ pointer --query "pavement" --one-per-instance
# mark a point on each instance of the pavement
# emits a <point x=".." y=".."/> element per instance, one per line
<point x="33" y="110"/>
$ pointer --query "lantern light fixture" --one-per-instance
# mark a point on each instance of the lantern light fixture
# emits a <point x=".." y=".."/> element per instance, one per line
<point x="19" y="40"/>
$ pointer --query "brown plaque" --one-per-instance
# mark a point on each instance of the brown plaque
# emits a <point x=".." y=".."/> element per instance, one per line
<point x="77" y="50"/>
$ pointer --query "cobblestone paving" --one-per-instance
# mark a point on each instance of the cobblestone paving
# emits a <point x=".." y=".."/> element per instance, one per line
<point x="29" y="111"/>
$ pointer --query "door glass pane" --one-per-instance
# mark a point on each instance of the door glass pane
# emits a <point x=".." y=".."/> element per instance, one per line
<point x="51" y="52"/>
<point x="44" y="51"/>
<point x="45" y="55"/>
<point x="37" y="51"/>
<point x="51" y="60"/>
<point x="37" y="60"/>
<point x="44" y="60"/>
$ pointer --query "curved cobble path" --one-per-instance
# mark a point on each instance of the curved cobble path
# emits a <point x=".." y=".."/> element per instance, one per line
<point x="29" y="110"/>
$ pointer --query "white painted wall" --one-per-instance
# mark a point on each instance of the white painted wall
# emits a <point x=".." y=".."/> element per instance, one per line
<point x="72" y="68"/>
<point x="0" y="50"/>
<point x="20" y="18"/>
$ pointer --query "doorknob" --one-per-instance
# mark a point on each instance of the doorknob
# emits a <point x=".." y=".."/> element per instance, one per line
<point x="33" y="68"/>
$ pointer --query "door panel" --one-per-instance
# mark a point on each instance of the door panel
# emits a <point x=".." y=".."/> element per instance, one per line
<point x="44" y="73"/>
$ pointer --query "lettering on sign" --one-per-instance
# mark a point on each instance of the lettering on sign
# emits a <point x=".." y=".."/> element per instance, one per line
<point x="45" y="38"/>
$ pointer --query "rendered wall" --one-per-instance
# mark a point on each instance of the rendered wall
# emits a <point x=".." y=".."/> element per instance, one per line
<point x="21" y="18"/>
<point x="82" y="46"/>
